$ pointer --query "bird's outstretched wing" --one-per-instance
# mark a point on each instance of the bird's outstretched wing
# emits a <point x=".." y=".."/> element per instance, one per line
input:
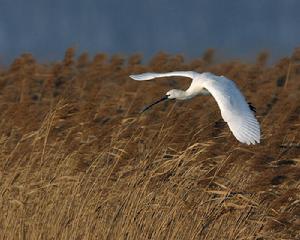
<point x="234" y="109"/>
<point x="151" y="75"/>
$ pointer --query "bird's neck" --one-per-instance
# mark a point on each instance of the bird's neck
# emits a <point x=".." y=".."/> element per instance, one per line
<point x="190" y="93"/>
<point x="184" y="95"/>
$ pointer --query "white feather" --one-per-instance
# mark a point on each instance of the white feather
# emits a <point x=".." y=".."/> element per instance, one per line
<point x="233" y="106"/>
<point x="151" y="75"/>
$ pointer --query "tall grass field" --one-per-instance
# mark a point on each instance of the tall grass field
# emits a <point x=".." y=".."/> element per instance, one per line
<point x="78" y="160"/>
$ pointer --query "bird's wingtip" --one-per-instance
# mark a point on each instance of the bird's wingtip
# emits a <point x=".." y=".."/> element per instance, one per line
<point x="135" y="77"/>
<point x="256" y="141"/>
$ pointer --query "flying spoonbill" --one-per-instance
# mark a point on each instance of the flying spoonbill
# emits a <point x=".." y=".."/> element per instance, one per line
<point x="233" y="106"/>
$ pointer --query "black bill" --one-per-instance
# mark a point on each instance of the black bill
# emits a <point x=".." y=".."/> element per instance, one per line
<point x="156" y="102"/>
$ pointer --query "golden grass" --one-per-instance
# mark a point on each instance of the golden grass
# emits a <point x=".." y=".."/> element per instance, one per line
<point x="79" y="162"/>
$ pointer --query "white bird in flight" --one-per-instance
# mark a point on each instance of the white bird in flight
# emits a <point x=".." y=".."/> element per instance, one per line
<point x="234" y="108"/>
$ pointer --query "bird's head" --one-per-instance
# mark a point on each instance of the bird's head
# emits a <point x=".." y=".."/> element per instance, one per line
<point x="172" y="94"/>
<point x="176" y="94"/>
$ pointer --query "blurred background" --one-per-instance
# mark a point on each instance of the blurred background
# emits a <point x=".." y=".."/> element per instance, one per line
<point x="236" y="28"/>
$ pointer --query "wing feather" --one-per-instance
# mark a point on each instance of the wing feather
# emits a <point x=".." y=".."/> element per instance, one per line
<point x="234" y="109"/>
<point x="152" y="75"/>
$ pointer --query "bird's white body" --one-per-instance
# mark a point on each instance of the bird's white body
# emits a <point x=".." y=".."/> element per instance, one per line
<point x="234" y="108"/>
